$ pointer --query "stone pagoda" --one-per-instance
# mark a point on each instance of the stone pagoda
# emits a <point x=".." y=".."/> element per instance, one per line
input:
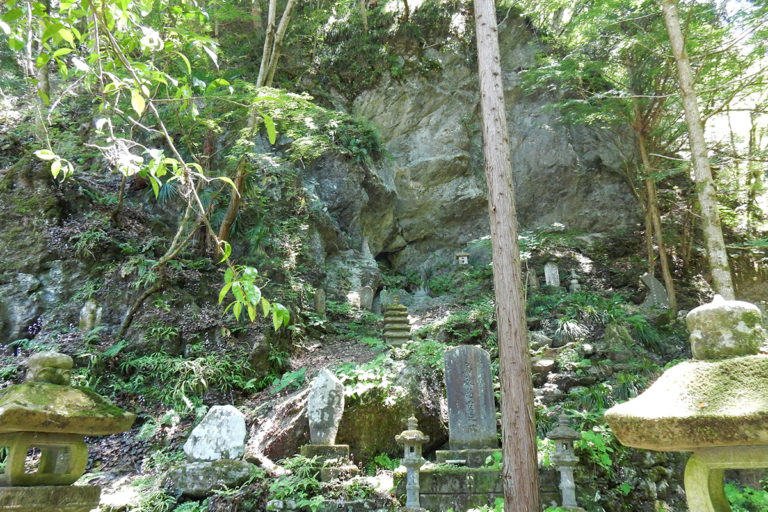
<point x="397" y="328"/>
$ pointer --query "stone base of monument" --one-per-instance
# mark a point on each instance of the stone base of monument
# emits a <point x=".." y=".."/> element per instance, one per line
<point x="471" y="458"/>
<point x="50" y="498"/>
<point x="446" y="487"/>
<point x="326" y="454"/>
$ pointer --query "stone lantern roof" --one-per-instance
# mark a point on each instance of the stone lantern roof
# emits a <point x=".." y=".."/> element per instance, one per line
<point x="411" y="436"/>
<point x="46" y="403"/>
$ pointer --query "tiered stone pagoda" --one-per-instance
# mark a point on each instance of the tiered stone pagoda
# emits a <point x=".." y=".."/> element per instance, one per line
<point x="397" y="328"/>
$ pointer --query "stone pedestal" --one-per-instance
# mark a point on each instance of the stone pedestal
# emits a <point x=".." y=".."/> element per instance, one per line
<point x="333" y="458"/>
<point x="49" y="498"/>
<point x="473" y="457"/>
<point x="460" y="489"/>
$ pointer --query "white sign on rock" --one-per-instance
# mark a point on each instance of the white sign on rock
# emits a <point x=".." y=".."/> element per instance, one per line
<point x="221" y="435"/>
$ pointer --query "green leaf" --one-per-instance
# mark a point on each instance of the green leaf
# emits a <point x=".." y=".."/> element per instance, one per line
<point x="66" y="35"/>
<point x="226" y="249"/>
<point x="12" y="15"/>
<point x="51" y="30"/>
<point x="42" y="60"/>
<point x="44" y="97"/>
<point x="252" y="293"/>
<point x="251" y="313"/>
<point x="62" y="51"/>
<point x="45" y="154"/>
<point x="280" y="315"/>
<point x="237" y="309"/>
<point x="227" y="181"/>
<point x="271" y="131"/>
<point x="237" y="291"/>
<point x="137" y="101"/>
<point x="250" y="274"/>
<point x="185" y="60"/>
<point x="55" y="167"/>
<point x="223" y="292"/>
<point x="265" y="306"/>
<point x="228" y="275"/>
<point x="15" y="44"/>
<point x="155" y="187"/>
<point x="212" y="55"/>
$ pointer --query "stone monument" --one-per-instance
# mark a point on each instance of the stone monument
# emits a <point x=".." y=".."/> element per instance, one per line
<point x="574" y="285"/>
<point x="397" y="328"/>
<point x="469" y="482"/>
<point x="472" y="432"/>
<point x="319" y="301"/>
<point x="366" y="294"/>
<point x="325" y="406"/>
<point x="551" y="274"/>
<point x="714" y="406"/>
<point x="47" y="414"/>
<point x="657" y="295"/>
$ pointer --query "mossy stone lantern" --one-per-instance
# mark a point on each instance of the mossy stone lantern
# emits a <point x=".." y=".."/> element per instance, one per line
<point x="565" y="459"/>
<point x="412" y="440"/>
<point x="45" y="413"/>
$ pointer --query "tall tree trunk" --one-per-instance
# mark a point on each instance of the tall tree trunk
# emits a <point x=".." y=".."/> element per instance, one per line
<point x="364" y="14"/>
<point x="754" y="177"/>
<point x="520" y="469"/>
<point x="705" y="188"/>
<point x="653" y="213"/>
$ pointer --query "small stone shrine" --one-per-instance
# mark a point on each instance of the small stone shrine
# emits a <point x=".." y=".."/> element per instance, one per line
<point x="714" y="406"/>
<point x="462" y="258"/>
<point x="45" y="413"/>
<point x="325" y="406"/>
<point x="397" y="328"/>
<point x="573" y="285"/>
<point x="551" y="274"/>
<point x="473" y="439"/>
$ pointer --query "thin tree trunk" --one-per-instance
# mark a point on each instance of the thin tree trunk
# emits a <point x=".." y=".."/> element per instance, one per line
<point x="234" y="202"/>
<point x="364" y="14"/>
<point x="520" y="468"/>
<point x="705" y="188"/>
<point x="278" y="42"/>
<point x="266" y="54"/>
<point x="653" y="211"/>
<point x="649" y="250"/>
<point x="754" y="177"/>
<point x="256" y="15"/>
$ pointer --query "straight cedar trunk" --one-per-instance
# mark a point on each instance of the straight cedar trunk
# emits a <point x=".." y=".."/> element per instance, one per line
<point x="702" y="174"/>
<point x="520" y="467"/>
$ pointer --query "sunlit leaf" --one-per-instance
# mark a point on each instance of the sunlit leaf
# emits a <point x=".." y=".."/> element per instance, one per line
<point x="55" y="167"/>
<point x="137" y="101"/>
<point x="251" y="313"/>
<point x="12" y="15"/>
<point x="228" y="275"/>
<point x="51" y="30"/>
<point x="212" y="55"/>
<point x="42" y="60"/>
<point x="62" y="51"/>
<point x="237" y="309"/>
<point x="265" y="306"/>
<point x="224" y="291"/>
<point x="185" y="60"/>
<point x="66" y="35"/>
<point x="271" y="131"/>
<point x="45" y="154"/>
<point x="226" y="250"/>
<point x="5" y="28"/>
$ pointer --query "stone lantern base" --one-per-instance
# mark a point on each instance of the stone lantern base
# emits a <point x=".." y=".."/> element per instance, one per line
<point x="50" y="498"/>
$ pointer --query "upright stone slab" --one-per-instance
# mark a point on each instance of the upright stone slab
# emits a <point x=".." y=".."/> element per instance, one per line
<point x="657" y="295"/>
<point x="551" y="274"/>
<point x="325" y="406"/>
<point x="366" y="297"/>
<point x="320" y="303"/>
<point x="471" y="409"/>
<point x="221" y="435"/>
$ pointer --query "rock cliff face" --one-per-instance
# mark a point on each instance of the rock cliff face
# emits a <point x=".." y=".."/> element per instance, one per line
<point x="435" y="200"/>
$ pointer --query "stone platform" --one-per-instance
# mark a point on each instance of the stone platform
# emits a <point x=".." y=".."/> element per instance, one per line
<point x="443" y="487"/>
<point x="49" y="498"/>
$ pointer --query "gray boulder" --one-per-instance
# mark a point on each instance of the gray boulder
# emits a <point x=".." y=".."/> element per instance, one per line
<point x="221" y="435"/>
<point x="199" y="479"/>
<point x="726" y="328"/>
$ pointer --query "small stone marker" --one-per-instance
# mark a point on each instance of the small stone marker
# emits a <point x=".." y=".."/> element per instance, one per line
<point x="325" y="407"/>
<point x="462" y="258"/>
<point x="366" y="294"/>
<point x="726" y="328"/>
<point x="320" y="303"/>
<point x="397" y="328"/>
<point x="90" y="316"/>
<point x="657" y="295"/>
<point x="574" y="285"/>
<point x="471" y="409"/>
<point x="221" y="435"/>
<point x="532" y="279"/>
<point x="551" y="274"/>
